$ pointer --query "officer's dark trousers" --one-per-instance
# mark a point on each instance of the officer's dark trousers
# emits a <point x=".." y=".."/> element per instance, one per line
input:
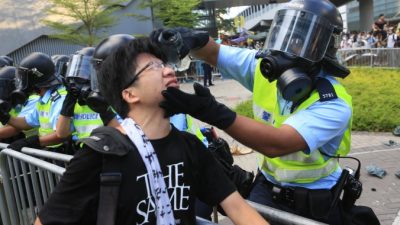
<point x="261" y="193"/>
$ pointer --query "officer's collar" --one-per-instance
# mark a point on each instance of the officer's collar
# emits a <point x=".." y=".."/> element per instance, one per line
<point x="47" y="95"/>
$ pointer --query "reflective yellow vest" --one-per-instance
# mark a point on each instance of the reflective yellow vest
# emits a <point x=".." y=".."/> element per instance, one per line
<point x="85" y="120"/>
<point x="296" y="167"/>
<point x="34" y="131"/>
<point x="194" y="130"/>
<point x="44" y="115"/>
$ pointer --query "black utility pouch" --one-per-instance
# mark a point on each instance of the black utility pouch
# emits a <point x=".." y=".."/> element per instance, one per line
<point x="320" y="203"/>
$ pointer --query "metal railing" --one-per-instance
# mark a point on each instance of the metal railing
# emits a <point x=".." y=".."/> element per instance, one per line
<point x="370" y="57"/>
<point x="27" y="182"/>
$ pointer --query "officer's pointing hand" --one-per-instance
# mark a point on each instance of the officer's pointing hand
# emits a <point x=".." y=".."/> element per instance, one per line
<point x="201" y="105"/>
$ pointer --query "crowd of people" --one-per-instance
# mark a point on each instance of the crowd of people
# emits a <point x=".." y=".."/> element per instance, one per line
<point x="381" y="35"/>
<point x="139" y="159"/>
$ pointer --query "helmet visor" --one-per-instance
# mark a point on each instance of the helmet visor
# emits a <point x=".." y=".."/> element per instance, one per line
<point x="79" y="66"/>
<point x="300" y="33"/>
<point x="21" y="79"/>
<point x="93" y="81"/>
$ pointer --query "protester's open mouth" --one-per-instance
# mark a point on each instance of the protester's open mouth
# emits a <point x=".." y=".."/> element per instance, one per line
<point x="173" y="83"/>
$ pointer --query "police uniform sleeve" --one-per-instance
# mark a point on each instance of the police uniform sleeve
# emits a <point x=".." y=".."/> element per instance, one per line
<point x="212" y="184"/>
<point x="75" y="199"/>
<point x="239" y="64"/>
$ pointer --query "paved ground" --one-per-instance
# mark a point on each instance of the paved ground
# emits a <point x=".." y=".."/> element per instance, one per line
<point x="383" y="195"/>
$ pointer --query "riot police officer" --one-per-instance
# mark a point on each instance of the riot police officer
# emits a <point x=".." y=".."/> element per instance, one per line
<point x="77" y="82"/>
<point x="35" y="74"/>
<point x="302" y="114"/>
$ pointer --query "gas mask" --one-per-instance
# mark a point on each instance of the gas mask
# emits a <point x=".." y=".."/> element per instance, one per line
<point x="78" y="77"/>
<point x="295" y="76"/>
<point x="95" y="100"/>
<point x="24" y="87"/>
<point x="296" y="46"/>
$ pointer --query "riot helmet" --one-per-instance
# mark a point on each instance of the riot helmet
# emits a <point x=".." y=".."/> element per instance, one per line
<point x="34" y="72"/>
<point x="3" y="63"/>
<point x="304" y="35"/>
<point x="305" y="29"/>
<point x="105" y="48"/>
<point x="79" y="73"/>
<point x="61" y="65"/>
<point x="8" y="60"/>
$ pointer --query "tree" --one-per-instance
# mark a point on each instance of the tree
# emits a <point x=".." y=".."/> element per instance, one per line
<point x="172" y="13"/>
<point x="86" y="19"/>
<point x="223" y="24"/>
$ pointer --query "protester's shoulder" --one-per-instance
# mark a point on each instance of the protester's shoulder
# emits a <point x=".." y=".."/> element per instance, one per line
<point x="108" y="140"/>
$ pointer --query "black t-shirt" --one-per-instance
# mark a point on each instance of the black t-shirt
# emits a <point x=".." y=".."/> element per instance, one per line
<point x="189" y="171"/>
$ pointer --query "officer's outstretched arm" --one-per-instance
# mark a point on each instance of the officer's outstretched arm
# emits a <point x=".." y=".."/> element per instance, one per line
<point x="266" y="139"/>
<point x="240" y="212"/>
<point x="50" y="139"/>
<point x="63" y="127"/>
<point x="8" y="131"/>
<point x="19" y="123"/>
<point x="208" y="53"/>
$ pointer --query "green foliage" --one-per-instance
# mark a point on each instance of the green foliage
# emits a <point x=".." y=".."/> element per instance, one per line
<point x="173" y="13"/>
<point x="245" y="108"/>
<point x="375" y="92"/>
<point x="87" y="18"/>
<point x="225" y="25"/>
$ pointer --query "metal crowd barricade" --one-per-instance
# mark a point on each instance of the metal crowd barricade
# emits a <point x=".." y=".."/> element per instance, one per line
<point x="27" y="184"/>
<point x="370" y="57"/>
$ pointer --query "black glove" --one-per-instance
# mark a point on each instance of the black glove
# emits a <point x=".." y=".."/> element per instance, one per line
<point x="201" y="105"/>
<point x="32" y="142"/>
<point x="68" y="106"/>
<point x="107" y="116"/>
<point x="176" y="43"/>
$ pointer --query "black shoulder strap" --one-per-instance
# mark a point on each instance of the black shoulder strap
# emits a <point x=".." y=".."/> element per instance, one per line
<point x="113" y="146"/>
<point x="110" y="181"/>
<point x="325" y="89"/>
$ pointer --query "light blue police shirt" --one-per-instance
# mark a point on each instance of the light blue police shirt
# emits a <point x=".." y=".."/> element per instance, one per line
<point x="29" y="107"/>
<point x="322" y="125"/>
<point x="33" y="118"/>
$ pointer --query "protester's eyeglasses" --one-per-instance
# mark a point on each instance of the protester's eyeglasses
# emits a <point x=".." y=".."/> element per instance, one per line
<point x="150" y="65"/>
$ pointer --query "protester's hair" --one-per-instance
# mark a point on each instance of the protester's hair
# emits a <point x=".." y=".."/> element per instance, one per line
<point x="118" y="69"/>
<point x="380" y="15"/>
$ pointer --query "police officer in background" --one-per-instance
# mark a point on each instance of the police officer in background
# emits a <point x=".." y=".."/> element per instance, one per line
<point x="61" y="64"/>
<point x="35" y="74"/>
<point x="77" y="82"/>
<point x="302" y="114"/>
<point x="9" y="133"/>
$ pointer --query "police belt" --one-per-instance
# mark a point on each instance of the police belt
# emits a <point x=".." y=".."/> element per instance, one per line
<point x="315" y="202"/>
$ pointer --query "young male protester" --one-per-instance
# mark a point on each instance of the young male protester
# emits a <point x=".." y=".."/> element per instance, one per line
<point x="162" y="170"/>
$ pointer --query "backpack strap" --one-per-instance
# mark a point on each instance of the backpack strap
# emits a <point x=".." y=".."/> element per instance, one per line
<point x="112" y="145"/>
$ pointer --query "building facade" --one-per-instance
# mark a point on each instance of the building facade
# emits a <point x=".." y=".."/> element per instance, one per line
<point x="390" y="8"/>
